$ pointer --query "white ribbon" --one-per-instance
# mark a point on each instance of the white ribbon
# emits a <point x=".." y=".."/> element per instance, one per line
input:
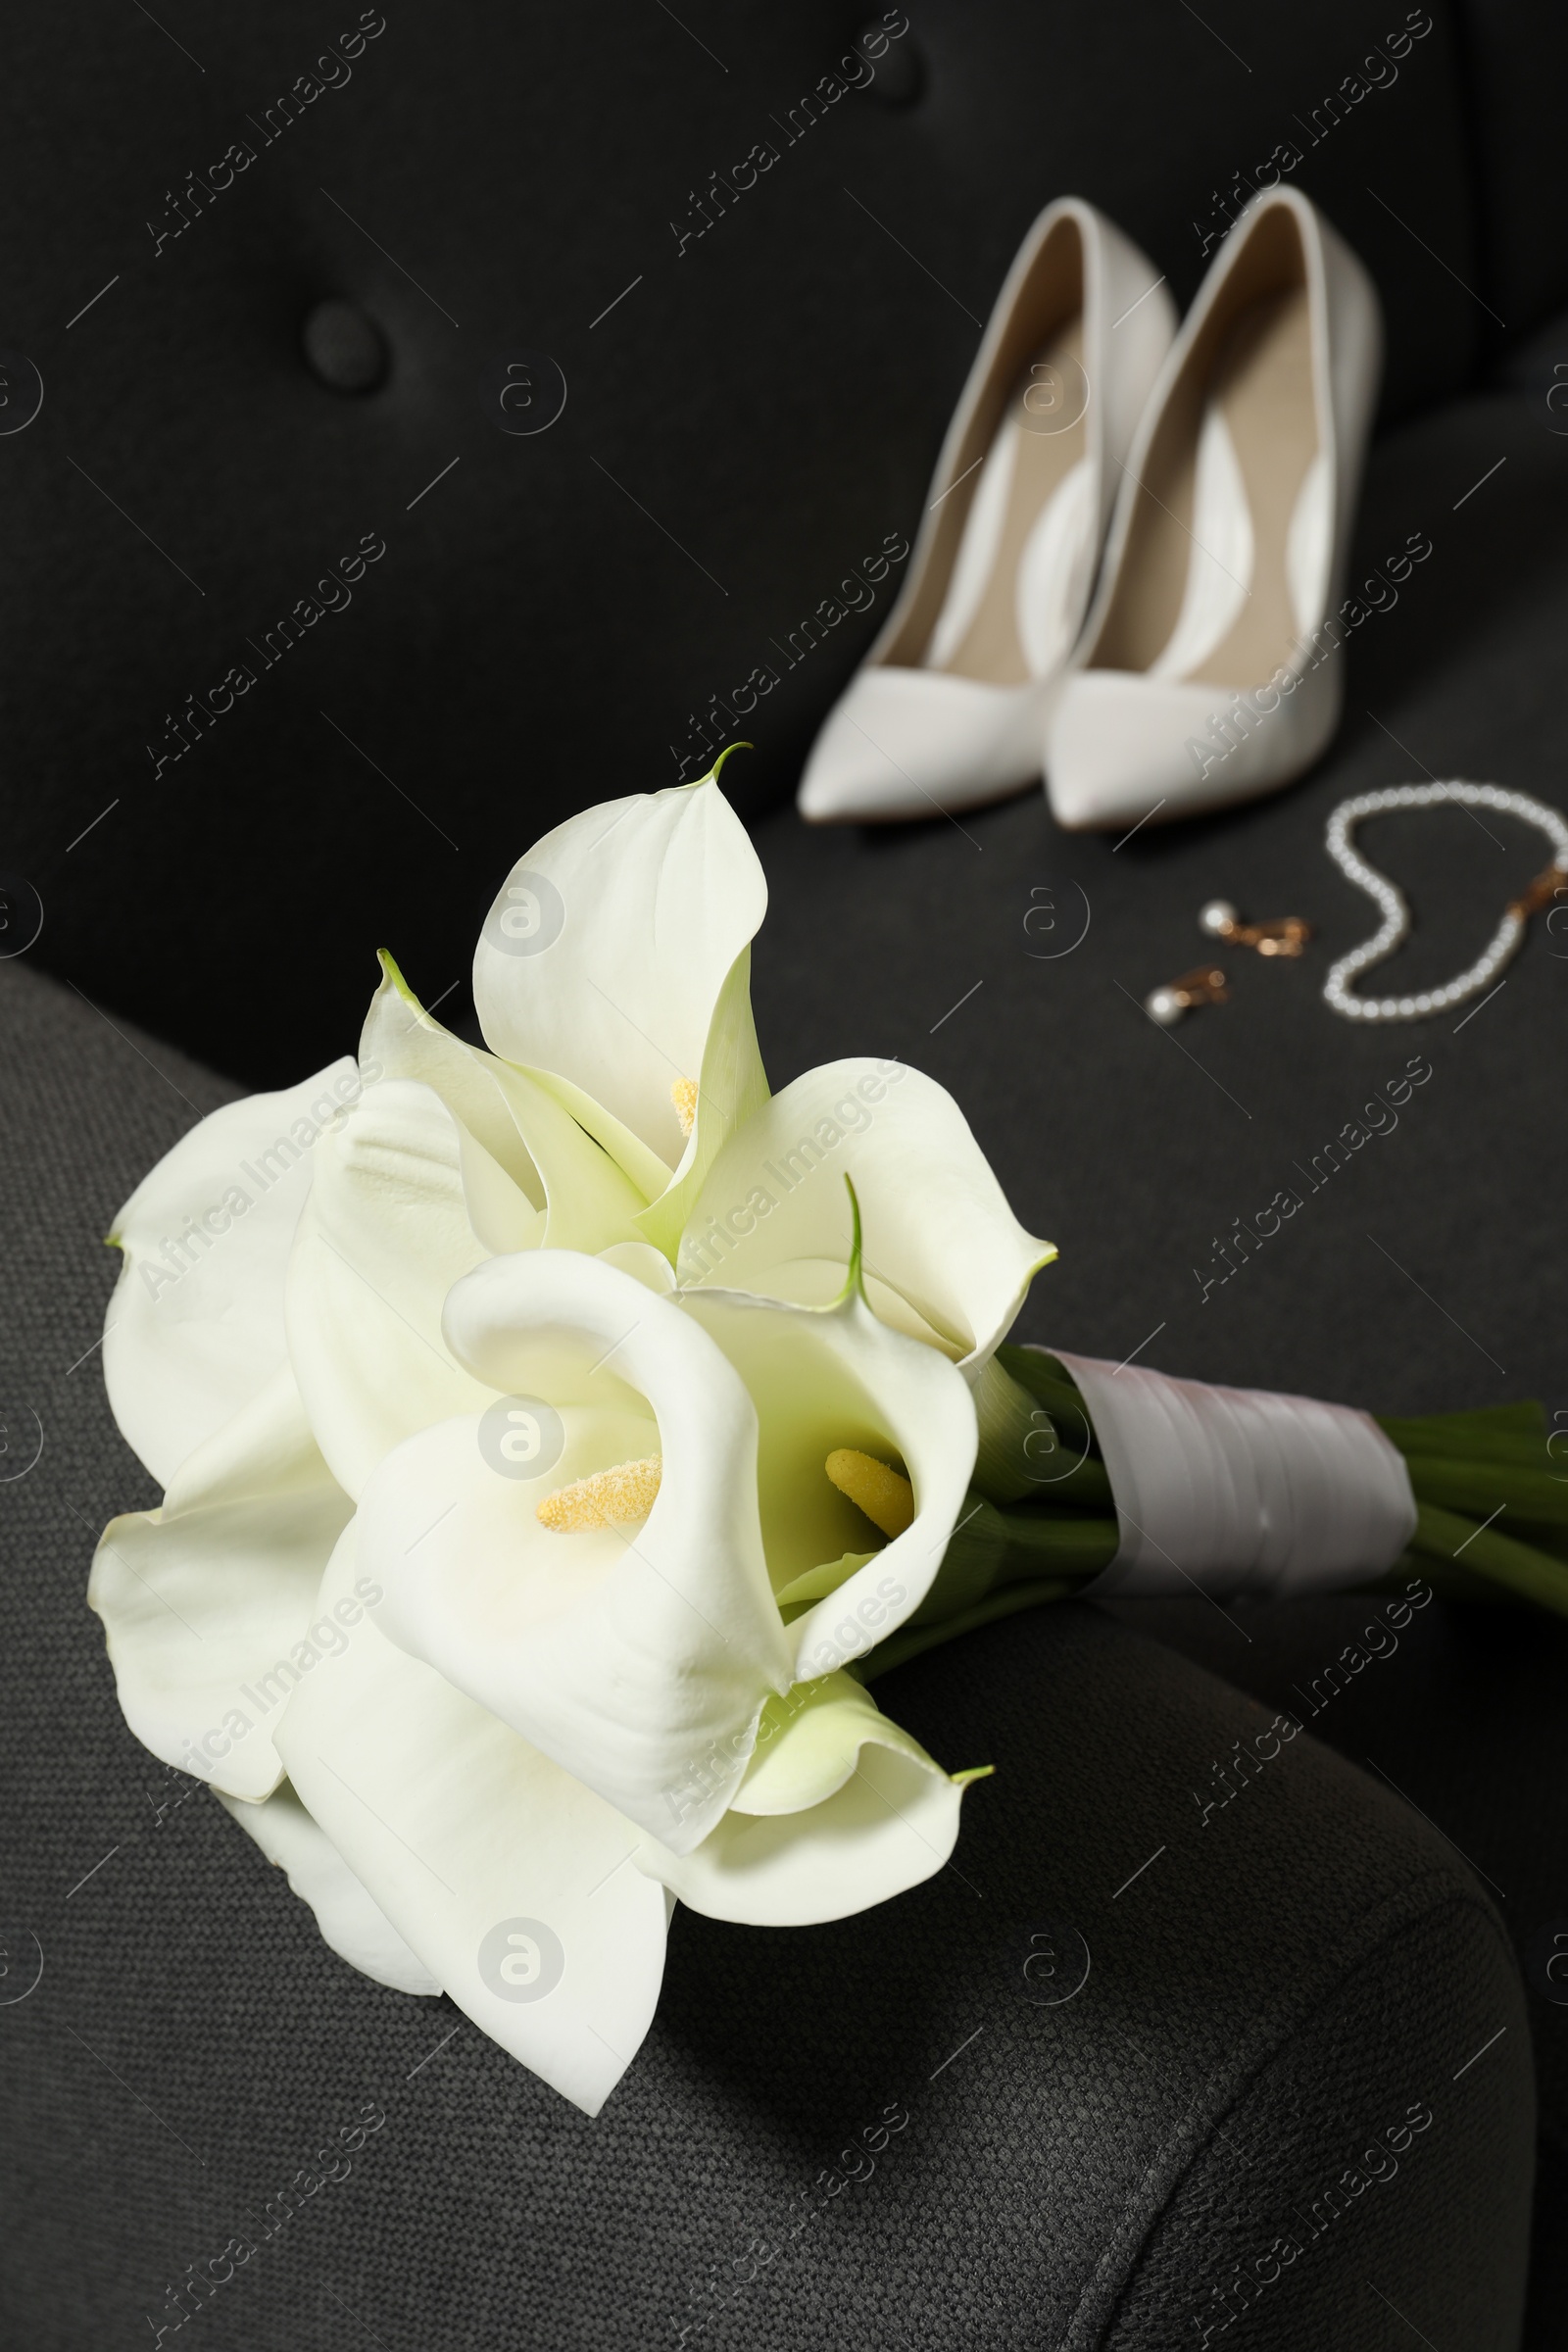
<point x="1240" y="1490"/>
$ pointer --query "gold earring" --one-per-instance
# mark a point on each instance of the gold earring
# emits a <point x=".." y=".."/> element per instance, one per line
<point x="1287" y="935"/>
<point x="1205" y="986"/>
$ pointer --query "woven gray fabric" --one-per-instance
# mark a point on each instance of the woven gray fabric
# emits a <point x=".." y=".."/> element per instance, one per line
<point x="1286" y="1976"/>
<point x="1300" y="2225"/>
<point x="1461" y="1711"/>
<point x="1464" y="1714"/>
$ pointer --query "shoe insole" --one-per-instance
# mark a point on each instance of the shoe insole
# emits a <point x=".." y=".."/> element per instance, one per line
<point x="1024" y="566"/>
<point x="1257" y="553"/>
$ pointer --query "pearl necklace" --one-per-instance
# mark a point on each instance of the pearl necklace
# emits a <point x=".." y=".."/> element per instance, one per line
<point x="1396" y="924"/>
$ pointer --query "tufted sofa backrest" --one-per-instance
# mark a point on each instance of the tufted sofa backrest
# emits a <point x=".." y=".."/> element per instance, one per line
<point x="454" y="416"/>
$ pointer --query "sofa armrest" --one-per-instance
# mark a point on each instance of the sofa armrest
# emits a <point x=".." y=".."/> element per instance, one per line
<point x="1112" y="2077"/>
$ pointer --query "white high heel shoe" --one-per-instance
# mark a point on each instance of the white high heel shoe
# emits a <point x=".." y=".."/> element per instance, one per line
<point x="1208" y="672"/>
<point x="949" y="708"/>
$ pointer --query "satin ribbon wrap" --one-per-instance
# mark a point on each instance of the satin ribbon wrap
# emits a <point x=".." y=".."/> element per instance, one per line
<point x="1240" y="1490"/>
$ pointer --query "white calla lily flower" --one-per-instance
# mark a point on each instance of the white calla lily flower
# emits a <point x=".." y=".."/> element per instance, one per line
<point x="620" y="1654"/>
<point x="532" y="1484"/>
<point x="827" y="1378"/>
<point x="613" y="964"/>
<point x="465" y="1838"/>
<point x="581" y="1197"/>
<point x="349" y="1918"/>
<point x="195" y="1327"/>
<point x="362" y="1310"/>
<point x="205" y="1596"/>
<point x="951" y="1262"/>
<point x="839" y="1809"/>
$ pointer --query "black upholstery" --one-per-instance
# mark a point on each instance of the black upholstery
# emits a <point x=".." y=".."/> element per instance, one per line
<point x="546" y="626"/>
<point x="1462" y="1711"/>
<point x="740" y="432"/>
<point x="1513" y="58"/>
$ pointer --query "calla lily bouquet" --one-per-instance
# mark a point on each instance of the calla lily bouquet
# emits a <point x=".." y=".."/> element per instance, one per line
<point x="558" y="1439"/>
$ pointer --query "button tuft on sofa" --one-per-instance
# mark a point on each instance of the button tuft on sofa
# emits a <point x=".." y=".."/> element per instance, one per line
<point x="344" y="347"/>
<point x="898" y="71"/>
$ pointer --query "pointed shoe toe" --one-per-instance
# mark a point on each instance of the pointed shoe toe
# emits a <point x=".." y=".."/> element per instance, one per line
<point x="1124" y="746"/>
<point x="904" y="744"/>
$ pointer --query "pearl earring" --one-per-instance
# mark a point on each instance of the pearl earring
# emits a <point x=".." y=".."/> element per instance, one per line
<point x="1205" y="986"/>
<point x="1287" y="935"/>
